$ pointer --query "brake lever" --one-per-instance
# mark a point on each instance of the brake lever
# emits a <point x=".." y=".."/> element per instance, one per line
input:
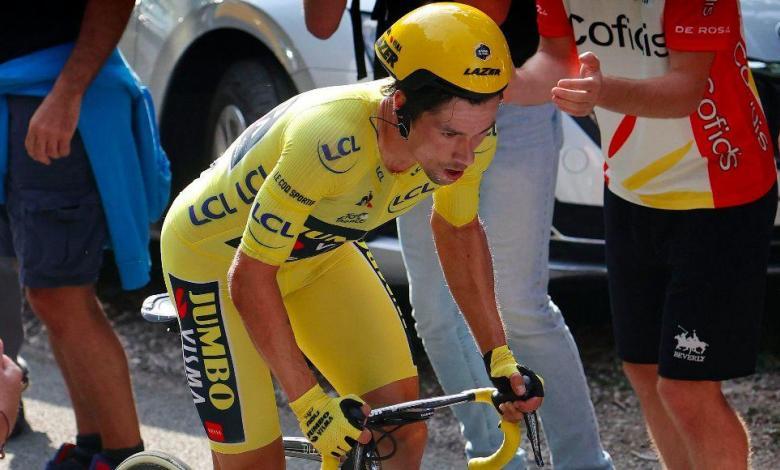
<point x="532" y="426"/>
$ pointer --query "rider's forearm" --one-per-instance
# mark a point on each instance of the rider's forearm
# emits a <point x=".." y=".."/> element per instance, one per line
<point x="256" y="295"/>
<point x="465" y="259"/>
<point x="103" y="24"/>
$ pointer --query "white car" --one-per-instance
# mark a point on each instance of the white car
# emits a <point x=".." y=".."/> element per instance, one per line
<point x="214" y="66"/>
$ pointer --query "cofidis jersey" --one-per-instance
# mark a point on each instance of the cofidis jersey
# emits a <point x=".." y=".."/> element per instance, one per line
<point x="308" y="177"/>
<point x="720" y="155"/>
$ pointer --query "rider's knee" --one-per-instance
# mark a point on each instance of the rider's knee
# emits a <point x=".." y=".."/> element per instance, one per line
<point x="269" y="457"/>
<point x="413" y="435"/>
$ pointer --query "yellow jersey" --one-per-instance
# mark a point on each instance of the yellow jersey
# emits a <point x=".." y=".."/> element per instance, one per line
<point x="308" y="177"/>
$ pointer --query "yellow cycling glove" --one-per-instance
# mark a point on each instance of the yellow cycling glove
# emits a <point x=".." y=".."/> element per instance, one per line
<point x="332" y="425"/>
<point x="501" y="364"/>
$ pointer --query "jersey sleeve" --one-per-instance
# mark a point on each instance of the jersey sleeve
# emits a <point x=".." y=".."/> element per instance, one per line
<point x="552" y="19"/>
<point x="701" y="25"/>
<point x="458" y="203"/>
<point x="308" y="170"/>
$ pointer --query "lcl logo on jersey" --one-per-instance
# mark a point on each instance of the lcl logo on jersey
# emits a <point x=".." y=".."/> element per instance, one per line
<point x="403" y="202"/>
<point x="275" y="224"/>
<point x="272" y="223"/>
<point x="344" y="147"/>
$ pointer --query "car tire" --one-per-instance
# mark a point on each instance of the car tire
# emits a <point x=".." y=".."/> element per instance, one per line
<point x="246" y="91"/>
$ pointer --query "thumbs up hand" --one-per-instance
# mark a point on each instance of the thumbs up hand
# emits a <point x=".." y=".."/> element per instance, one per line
<point x="578" y="96"/>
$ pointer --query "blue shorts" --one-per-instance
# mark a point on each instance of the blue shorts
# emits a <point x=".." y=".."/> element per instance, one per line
<point x="53" y="221"/>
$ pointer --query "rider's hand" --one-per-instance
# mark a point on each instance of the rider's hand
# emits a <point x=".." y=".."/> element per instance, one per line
<point x="508" y="378"/>
<point x="578" y="96"/>
<point x="332" y="425"/>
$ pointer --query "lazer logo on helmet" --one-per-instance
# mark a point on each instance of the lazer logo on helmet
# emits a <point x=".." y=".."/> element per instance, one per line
<point x="208" y="362"/>
<point x="482" y="52"/>
<point x="344" y="147"/>
<point x="387" y="53"/>
<point x="484" y="71"/>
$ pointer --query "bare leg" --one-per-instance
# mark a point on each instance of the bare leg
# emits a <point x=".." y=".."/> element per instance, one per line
<point x="94" y="362"/>
<point x="86" y="422"/>
<point x="663" y="432"/>
<point x="410" y="439"/>
<point x="270" y="457"/>
<point x="711" y="430"/>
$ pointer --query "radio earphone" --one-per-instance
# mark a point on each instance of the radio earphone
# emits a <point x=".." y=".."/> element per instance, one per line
<point x="403" y="123"/>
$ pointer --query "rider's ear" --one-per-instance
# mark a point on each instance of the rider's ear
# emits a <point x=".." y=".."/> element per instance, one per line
<point x="399" y="99"/>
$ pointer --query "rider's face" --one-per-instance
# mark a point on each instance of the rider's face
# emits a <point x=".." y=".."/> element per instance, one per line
<point x="443" y="140"/>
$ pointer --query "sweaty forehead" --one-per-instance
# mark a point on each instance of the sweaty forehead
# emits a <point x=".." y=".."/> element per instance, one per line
<point x="459" y="114"/>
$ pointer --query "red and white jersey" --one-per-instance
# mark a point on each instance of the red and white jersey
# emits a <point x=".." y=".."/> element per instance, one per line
<point x="720" y="155"/>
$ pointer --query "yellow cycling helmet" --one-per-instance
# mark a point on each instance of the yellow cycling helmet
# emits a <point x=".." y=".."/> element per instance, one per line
<point x="450" y="45"/>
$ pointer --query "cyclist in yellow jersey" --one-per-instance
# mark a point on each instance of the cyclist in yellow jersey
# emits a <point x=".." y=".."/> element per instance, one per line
<point x="263" y="257"/>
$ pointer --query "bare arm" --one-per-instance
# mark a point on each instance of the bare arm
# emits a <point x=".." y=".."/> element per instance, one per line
<point x="256" y="295"/>
<point x="468" y="268"/>
<point x="323" y="16"/>
<point x="674" y="94"/>
<point x="532" y="83"/>
<point x="54" y="122"/>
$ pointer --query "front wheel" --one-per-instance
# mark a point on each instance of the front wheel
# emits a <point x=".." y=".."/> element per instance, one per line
<point x="152" y="460"/>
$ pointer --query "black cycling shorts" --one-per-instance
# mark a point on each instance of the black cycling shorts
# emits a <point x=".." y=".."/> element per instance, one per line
<point x="687" y="287"/>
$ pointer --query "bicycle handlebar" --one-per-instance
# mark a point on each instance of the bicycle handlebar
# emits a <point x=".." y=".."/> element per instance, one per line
<point x="512" y="438"/>
<point x="511" y="431"/>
